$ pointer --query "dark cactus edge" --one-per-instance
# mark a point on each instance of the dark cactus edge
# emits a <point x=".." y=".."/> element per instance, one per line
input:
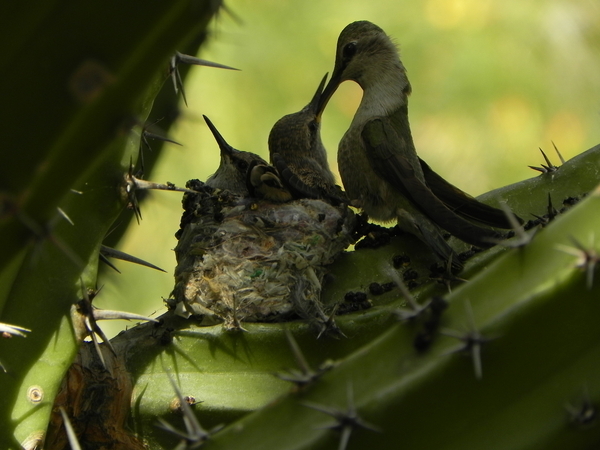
<point x="533" y="309"/>
<point x="79" y="80"/>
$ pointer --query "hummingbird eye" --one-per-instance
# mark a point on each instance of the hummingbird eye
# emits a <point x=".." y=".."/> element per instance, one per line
<point x="349" y="51"/>
<point x="242" y="165"/>
<point x="313" y="125"/>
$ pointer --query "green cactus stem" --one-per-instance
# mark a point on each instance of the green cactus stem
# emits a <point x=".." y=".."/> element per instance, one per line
<point x="533" y="329"/>
<point x="77" y="79"/>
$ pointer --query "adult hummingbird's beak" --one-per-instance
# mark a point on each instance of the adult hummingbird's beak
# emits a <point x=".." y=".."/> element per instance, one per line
<point x="225" y="148"/>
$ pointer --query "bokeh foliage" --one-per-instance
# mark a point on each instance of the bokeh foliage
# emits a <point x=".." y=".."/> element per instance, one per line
<point x="492" y="82"/>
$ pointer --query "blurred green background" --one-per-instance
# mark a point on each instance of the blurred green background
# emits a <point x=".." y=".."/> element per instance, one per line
<point x="492" y="81"/>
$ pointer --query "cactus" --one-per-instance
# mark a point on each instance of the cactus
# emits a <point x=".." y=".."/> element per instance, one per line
<point x="505" y="360"/>
<point x="522" y="370"/>
<point x="80" y="79"/>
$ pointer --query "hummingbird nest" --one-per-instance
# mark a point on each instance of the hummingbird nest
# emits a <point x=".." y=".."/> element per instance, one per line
<point x="239" y="259"/>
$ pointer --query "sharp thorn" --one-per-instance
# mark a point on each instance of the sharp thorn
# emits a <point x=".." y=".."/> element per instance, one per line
<point x="113" y="253"/>
<point x="346" y="421"/>
<point x="562" y="160"/>
<point x="539" y="169"/>
<point x="180" y="82"/>
<point x="522" y="238"/>
<point x="64" y="215"/>
<point x="13" y="330"/>
<point x="71" y="435"/>
<point x="97" y="347"/>
<point x="472" y="341"/>
<point x="587" y="258"/>
<point x="172" y="71"/>
<point x="140" y="184"/>
<point x="163" y="424"/>
<point x="546" y="159"/>
<point x="187" y="59"/>
<point x="108" y="314"/>
<point x="415" y="308"/>
<point x="148" y="135"/>
<point x="233" y="15"/>
<point x="194" y="431"/>
<point x="104" y="338"/>
<point x="298" y="355"/>
<point x="106" y="261"/>
<point x="66" y="250"/>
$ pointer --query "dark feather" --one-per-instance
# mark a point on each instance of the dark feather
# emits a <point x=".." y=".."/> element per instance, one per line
<point x="462" y="203"/>
<point x="385" y="147"/>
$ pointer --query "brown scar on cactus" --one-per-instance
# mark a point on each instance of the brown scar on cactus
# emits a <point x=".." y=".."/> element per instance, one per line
<point x="175" y="405"/>
<point x="89" y="80"/>
<point x="194" y="435"/>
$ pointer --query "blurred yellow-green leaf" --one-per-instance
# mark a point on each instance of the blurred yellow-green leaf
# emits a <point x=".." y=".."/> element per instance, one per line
<point x="492" y="82"/>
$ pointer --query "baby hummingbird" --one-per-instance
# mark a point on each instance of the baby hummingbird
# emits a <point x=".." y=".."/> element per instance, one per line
<point x="298" y="154"/>
<point x="377" y="159"/>
<point x="245" y="173"/>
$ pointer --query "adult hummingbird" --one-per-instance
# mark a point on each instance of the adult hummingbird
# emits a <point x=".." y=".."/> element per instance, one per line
<point x="298" y="154"/>
<point x="377" y="160"/>
<point x="245" y="173"/>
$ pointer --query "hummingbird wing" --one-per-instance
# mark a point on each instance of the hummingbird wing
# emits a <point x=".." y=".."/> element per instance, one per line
<point x="462" y="203"/>
<point x="387" y="152"/>
<point x="300" y="188"/>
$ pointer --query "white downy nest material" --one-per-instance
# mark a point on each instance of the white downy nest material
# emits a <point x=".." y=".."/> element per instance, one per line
<point x="255" y="261"/>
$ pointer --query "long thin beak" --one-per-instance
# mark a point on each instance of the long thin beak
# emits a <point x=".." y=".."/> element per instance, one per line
<point x="223" y="145"/>
<point x="331" y="87"/>
<point x="314" y="104"/>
